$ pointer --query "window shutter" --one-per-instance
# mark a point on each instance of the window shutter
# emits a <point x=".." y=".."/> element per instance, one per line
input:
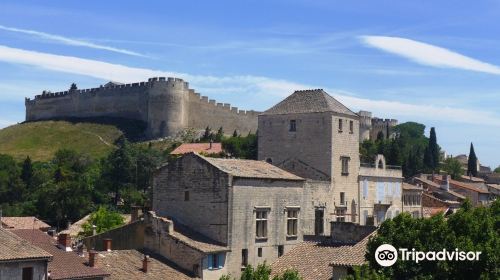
<point x="210" y="261"/>
<point x="365" y="189"/>
<point x="220" y="260"/>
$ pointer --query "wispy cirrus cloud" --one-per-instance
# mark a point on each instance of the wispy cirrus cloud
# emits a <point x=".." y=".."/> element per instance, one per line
<point x="70" y="41"/>
<point x="252" y="87"/>
<point x="427" y="54"/>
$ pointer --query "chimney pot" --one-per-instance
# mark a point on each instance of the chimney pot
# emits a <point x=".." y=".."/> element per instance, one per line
<point x="92" y="258"/>
<point x="64" y="241"/>
<point x="145" y="263"/>
<point x="107" y="244"/>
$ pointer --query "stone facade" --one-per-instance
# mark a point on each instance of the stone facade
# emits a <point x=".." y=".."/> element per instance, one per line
<point x="370" y="127"/>
<point x="15" y="269"/>
<point x="380" y="190"/>
<point x="167" y="106"/>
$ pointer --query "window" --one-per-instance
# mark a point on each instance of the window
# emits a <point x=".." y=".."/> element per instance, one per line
<point x="293" y="125"/>
<point x="340" y="215"/>
<point x="186" y="196"/>
<point x="365" y="188"/>
<point x="261" y="224"/>
<point x="345" y="165"/>
<point x="259" y="252"/>
<point x="292" y="221"/>
<point x="281" y="250"/>
<point x="244" y="257"/>
<point x="351" y="127"/>
<point x="215" y="261"/>
<point x="318" y="221"/>
<point x="342" y="198"/>
<point x="340" y="125"/>
<point x="27" y="273"/>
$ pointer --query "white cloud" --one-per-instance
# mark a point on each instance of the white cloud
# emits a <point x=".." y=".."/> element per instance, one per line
<point x="427" y="54"/>
<point x="253" y="87"/>
<point x="69" y="41"/>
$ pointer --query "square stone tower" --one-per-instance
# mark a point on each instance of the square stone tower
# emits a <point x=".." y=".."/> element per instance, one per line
<point x="314" y="136"/>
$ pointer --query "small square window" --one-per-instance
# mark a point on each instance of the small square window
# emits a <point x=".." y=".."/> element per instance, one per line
<point x="293" y="125"/>
<point x="259" y="252"/>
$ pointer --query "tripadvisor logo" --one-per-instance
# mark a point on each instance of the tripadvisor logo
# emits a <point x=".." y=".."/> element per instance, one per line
<point x="387" y="255"/>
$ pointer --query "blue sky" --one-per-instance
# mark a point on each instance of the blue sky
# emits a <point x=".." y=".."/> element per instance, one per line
<point x="434" y="63"/>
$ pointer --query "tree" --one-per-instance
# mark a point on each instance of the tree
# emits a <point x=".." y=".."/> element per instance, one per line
<point x="453" y="167"/>
<point x="469" y="229"/>
<point x="241" y="147"/>
<point x="103" y="219"/>
<point x="73" y="87"/>
<point x="27" y="171"/>
<point x="220" y="135"/>
<point x="380" y="136"/>
<point x="364" y="272"/>
<point x="497" y="170"/>
<point x="433" y="149"/>
<point x="472" y="162"/>
<point x="263" y="272"/>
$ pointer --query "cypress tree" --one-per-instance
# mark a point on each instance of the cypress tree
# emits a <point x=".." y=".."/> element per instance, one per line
<point x="27" y="171"/>
<point x="434" y="149"/>
<point x="472" y="162"/>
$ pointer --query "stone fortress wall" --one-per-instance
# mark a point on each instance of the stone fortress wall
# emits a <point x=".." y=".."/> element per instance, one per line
<point x="369" y="127"/>
<point x="167" y="106"/>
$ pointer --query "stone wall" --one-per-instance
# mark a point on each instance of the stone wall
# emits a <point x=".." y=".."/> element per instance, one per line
<point x="166" y="105"/>
<point x="13" y="270"/>
<point x="207" y="190"/>
<point x="129" y="236"/>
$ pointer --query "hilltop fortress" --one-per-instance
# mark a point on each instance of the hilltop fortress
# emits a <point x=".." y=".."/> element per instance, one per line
<point x="167" y="106"/>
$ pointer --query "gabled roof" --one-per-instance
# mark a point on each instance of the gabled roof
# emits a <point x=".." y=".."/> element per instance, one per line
<point x="309" y="101"/>
<point x="14" y="248"/>
<point x="462" y="185"/>
<point x="64" y="265"/>
<point x="313" y="260"/>
<point x="244" y="168"/>
<point x="127" y="264"/>
<point x="24" y="223"/>
<point x="205" y="148"/>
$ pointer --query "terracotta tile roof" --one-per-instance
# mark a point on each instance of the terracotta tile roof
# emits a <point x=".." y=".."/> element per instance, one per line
<point x="203" y="148"/>
<point x="13" y="247"/>
<point x="196" y="240"/>
<point x="76" y="228"/>
<point x="251" y="169"/>
<point x="407" y="186"/>
<point x="495" y="186"/>
<point x="428" y="212"/>
<point x="462" y="185"/>
<point x="64" y="265"/>
<point x="428" y="182"/>
<point x="472" y="179"/>
<point x="24" y="223"/>
<point x="127" y="264"/>
<point x="309" y="101"/>
<point x="313" y="260"/>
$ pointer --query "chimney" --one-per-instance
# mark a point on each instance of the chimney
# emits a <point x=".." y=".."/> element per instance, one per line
<point x="64" y="241"/>
<point x="92" y="258"/>
<point x="134" y="214"/>
<point x="145" y="263"/>
<point x="107" y="244"/>
<point x="446" y="182"/>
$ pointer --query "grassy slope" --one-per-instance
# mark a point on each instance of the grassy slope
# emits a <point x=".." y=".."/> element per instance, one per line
<point x="40" y="140"/>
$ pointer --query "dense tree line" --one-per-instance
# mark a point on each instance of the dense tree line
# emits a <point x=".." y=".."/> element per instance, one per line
<point x="237" y="146"/>
<point x="469" y="229"/>
<point x="408" y="148"/>
<point x="72" y="184"/>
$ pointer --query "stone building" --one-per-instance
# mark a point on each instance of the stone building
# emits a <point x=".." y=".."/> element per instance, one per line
<point x="379" y="191"/>
<point x="370" y="127"/>
<point x="167" y="106"/>
<point x="20" y="259"/>
<point x="412" y="200"/>
<point x="314" y="136"/>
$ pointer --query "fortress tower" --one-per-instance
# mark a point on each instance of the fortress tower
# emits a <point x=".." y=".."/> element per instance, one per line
<point x="167" y="106"/>
<point x="370" y="127"/>
<point x="365" y="125"/>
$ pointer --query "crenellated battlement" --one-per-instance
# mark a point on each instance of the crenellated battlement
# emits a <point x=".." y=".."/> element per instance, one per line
<point x="167" y="105"/>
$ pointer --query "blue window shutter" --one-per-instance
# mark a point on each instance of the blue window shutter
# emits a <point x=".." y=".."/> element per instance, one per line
<point x="210" y="261"/>
<point x="220" y="260"/>
<point x="365" y="189"/>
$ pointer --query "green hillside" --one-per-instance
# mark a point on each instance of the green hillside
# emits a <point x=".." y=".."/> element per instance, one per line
<point x="40" y="140"/>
